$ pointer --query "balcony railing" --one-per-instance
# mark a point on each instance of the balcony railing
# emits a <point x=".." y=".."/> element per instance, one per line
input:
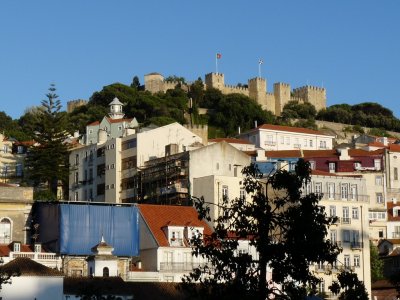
<point x="346" y="220"/>
<point x="356" y="245"/>
<point x="179" y="266"/>
<point x="337" y="196"/>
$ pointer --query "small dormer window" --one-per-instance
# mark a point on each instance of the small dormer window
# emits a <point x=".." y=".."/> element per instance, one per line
<point x="17" y="247"/>
<point x="38" y="248"/>
<point x="396" y="211"/>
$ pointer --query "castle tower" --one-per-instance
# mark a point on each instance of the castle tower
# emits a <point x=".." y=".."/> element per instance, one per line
<point x="116" y="109"/>
<point x="215" y="80"/>
<point x="281" y="95"/>
<point x="258" y="90"/>
<point x="154" y="82"/>
<point x="314" y="95"/>
<point x="71" y="105"/>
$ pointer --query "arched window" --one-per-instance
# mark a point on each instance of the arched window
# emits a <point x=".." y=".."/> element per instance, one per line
<point x="106" y="272"/>
<point x="5" y="231"/>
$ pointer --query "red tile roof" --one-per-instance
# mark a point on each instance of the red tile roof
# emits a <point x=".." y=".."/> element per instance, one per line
<point x="27" y="267"/>
<point x="118" y="120"/>
<point x="94" y="123"/>
<point x="290" y="129"/>
<point x="6" y="249"/>
<point x="283" y="153"/>
<point x="230" y="140"/>
<point x="376" y="144"/>
<point x="159" y="216"/>
<point x="394" y="147"/>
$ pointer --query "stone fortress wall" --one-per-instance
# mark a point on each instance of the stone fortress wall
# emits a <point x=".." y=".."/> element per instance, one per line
<point x="257" y="89"/>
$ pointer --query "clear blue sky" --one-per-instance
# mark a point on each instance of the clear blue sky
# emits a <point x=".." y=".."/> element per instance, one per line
<point x="350" y="47"/>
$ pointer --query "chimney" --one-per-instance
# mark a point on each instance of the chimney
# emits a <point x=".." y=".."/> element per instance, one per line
<point x="255" y="124"/>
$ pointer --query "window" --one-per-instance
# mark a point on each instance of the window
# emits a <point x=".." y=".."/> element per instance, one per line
<point x="20" y="150"/>
<point x="17" y="247"/>
<point x="331" y="190"/>
<point x="353" y="192"/>
<point x="76" y="196"/>
<point x="344" y="191"/>
<point x="318" y="188"/>
<point x="242" y="194"/>
<point x="332" y="167"/>
<point x="378" y="180"/>
<point x="119" y="127"/>
<point x="38" y="248"/>
<point x="76" y="179"/>
<point x="346" y="236"/>
<point x="18" y="170"/>
<point x="356" y="261"/>
<point x="311" y="143"/>
<point x="377" y="164"/>
<point x="346" y="215"/>
<point x="270" y="140"/>
<point x="225" y="191"/>
<point x="5" y="231"/>
<point x="333" y="235"/>
<point x="354" y="213"/>
<point x="106" y="272"/>
<point x="287" y="140"/>
<point x="332" y="211"/>
<point x="107" y="186"/>
<point x="112" y="146"/>
<point x="395" y="174"/>
<point x="346" y="261"/>
<point x="305" y="142"/>
<point x="76" y="159"/>
<point x="5" y="148"/>
<point x="380" y="234"/>
<point x="379" y="198"/>
<point x="322" y="144"/>
<point x="282" y="140"/>
<point x="112" y="166"/>
<point x="112" y="186"/>
<point x="312" y="164"/>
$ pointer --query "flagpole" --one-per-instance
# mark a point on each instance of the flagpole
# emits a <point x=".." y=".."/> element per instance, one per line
<point x="259" y="69"/>
<point x="216" y="63"/>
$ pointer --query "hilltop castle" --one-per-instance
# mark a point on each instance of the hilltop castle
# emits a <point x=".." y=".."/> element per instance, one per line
<point x="257" y="90"/>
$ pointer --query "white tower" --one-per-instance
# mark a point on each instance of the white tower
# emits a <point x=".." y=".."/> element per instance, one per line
<point x="103" y="263"/>
<point x="116" y="109"/>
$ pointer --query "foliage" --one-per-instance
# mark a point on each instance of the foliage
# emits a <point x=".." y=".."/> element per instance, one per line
<point x="47" y="162"/>
<point x="135" y="83"/>
<point x="287" y="229"/>
<point x="376" y="264"/>
<point x="235" y="110"/>
<point x="349" y="287"/>
<point x="306" y="123"/>
<point x="174" y="78"/>
<point x="6" y="275"/>
<point x="44" y="195"/>
<point x="366" y="114"/>
<point x="378" y="132"/>
<point x="296" y="110"/>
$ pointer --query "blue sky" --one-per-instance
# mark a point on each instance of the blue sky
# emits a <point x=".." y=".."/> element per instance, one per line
<point x="352" y="48"/>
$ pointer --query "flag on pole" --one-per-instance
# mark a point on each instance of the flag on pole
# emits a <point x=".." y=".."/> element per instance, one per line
<point x="219" y="55"/>
<point x="260" y="61"/>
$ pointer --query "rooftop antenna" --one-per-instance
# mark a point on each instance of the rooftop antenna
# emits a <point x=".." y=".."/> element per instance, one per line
<point x="260" y="62"/>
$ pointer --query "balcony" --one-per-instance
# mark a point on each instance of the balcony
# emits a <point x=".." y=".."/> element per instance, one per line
<point x="176" y="242"/>
<point x="395" y="235"/>
<point x="50" y="260"/>
<point x="356" y="245"/>
<point x="338" y="196"/>
<point x="346" y="220"/>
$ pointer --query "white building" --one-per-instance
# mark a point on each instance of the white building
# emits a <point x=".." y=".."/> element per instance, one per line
<point x="165" y="250"/>
<point x="277" y="137"/>
<point x="106" y="171"/>
<point x="35" y="281"/>
<point x="350" y="204"/>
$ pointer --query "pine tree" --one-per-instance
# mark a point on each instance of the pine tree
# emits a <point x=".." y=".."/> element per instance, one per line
<point x="47" y="160"/>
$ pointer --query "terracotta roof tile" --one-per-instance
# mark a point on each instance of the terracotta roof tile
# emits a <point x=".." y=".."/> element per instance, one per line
<point x="394" y="147"/>
<point x="28" y="267"/>
<point x="159" y="216"/>
<point x="283" y="153"/>
<point x="119" y="120"/>
<point x="94" y="123"/>
<point x="291" y="129"/>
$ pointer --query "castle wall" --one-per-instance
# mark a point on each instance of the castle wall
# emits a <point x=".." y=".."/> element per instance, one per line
<point x="71" y="105"/>
<point x="314" y="95"/>
<point x="199" y="130"/>
<point x="257" y="90"/>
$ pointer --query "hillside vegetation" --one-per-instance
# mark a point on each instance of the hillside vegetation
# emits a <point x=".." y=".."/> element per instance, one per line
<point x="225" y="114"/>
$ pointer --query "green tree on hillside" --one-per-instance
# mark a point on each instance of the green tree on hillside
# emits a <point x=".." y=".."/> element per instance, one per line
<point x="47" y="162"/>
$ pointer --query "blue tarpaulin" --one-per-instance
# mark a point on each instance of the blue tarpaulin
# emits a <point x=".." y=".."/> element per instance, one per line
<point x="73" y="229"/>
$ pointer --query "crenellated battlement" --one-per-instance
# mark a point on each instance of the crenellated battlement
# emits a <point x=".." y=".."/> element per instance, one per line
<point x="257" y="90"/>
<point x="71" y="105"/>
